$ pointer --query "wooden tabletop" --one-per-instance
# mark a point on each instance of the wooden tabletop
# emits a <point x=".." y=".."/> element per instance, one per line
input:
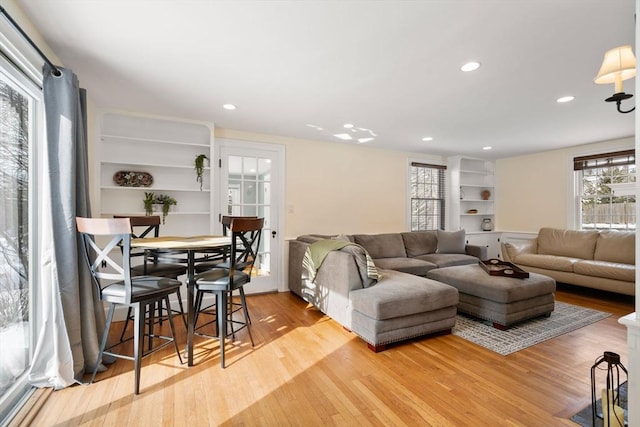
<point x="181" y="242"/>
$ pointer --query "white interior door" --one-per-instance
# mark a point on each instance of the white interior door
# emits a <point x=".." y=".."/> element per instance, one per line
<point x="250" y="184"/>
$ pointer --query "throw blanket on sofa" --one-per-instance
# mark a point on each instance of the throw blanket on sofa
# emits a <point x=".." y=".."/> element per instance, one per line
<point x="318" y="251"/>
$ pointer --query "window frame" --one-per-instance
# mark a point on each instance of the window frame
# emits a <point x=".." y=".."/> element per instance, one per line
<point x="575" y="181"/>
<point x="12" y="400"/>
<point x="444" y="186"/>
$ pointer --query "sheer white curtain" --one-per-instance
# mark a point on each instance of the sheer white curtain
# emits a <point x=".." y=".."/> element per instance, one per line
<point x="73" y="317"/>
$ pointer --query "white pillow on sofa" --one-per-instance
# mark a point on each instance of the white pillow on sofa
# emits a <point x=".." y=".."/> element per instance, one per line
<point x="451" y="242"/>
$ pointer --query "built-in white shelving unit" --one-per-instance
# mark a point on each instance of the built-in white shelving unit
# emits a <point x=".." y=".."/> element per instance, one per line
<point x="165" y="149"/>
<point x="470" y="178"/>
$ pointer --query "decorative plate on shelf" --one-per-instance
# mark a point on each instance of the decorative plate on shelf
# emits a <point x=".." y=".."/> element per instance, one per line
<point x="133" y="179"/>
<point x="472" y="211"/>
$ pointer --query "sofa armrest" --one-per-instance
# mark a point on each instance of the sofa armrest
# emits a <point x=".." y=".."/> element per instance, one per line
<point x="335" y="279"/>
<point x="477" y="251"/>
<point x="511" y="250"/>
<point x="296" y="253"/>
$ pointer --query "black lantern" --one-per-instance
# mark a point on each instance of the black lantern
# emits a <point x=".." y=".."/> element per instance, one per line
<point x="612" y="412"/>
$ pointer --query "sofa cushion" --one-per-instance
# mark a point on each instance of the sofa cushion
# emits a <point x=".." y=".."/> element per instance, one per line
<point x="609" y="270"/>
<point x="388" y="245"/>
<point x="407" y="265"/>
<point x="344" y="238"/>
<point x="418" y="243"/>
<point x="398" y="294"/>
<point x="616" y="246"/>
<point x="567" y="243"/>
<point x="451" y="242"/>
<point x="550" y="262"/>
<point x="312" y="238"/>
<point x="449" y="260"/>
<point x="510" y="250"/>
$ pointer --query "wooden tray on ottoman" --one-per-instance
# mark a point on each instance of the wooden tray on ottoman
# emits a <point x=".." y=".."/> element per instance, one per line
<point x="496" y="267"/>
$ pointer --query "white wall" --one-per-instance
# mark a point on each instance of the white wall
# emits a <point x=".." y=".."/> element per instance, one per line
<point x="334" y="188"/>
<point x="534" y="191"/>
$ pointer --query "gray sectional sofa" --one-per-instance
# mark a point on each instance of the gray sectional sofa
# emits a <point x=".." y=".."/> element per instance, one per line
<point x="602" y="260"/>
<point x="403" y="303"/>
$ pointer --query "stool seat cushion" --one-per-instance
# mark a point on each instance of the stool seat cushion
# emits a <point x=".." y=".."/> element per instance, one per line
<point x="160" y="269"/>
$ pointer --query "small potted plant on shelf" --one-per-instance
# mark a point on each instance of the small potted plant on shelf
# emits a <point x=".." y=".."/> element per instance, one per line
<point x="151" y="199"/>
<point x="199" y="167"/>
<point x="166" y="202"/>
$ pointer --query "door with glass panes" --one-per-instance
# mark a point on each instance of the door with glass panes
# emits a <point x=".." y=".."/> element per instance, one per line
<point x="249" y="186"/>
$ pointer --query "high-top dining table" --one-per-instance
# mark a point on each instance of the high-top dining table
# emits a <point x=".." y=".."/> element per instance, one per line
<point x="197" y="249"/>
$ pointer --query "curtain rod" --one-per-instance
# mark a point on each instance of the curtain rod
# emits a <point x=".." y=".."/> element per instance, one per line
<point x="56" y="72"/>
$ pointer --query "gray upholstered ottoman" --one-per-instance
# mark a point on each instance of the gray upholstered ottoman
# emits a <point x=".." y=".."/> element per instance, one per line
<point x="402" y="306"/>
<point x="502" y="300"/>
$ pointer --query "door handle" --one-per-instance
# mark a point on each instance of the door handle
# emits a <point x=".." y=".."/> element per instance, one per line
<point x="273" y="234"/>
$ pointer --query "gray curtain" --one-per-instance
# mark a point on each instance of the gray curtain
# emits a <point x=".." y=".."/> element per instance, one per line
<point x="72" y="315"/>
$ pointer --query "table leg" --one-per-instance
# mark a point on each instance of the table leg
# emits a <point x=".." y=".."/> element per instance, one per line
<point x="190" y="305"/>
<point x="221" y="313"/>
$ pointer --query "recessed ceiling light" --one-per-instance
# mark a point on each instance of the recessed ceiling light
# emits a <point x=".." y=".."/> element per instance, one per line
<point x="487" y="148"/>
<point x="229" y="107"/>
<point x="348" y="125"/>
<point x="565" y="99"/>
<point x="427" y="138"/>
<point x="363" y="140"/>
<point x="470" y="66"/>
<point x="344" y="136"/>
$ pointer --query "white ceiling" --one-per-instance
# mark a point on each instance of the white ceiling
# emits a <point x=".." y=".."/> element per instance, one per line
<point x="388" y="66"/>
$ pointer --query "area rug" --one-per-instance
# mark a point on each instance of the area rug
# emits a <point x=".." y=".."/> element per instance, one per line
<point x="565" y="318"/>
<point x="585" y="417"/>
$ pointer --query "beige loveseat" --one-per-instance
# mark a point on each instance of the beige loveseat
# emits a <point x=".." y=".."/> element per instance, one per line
<point x="596" y="259"/>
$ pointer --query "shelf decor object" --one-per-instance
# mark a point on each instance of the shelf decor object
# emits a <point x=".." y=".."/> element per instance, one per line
<point x="166" y="202"/>
<point x="199" y="167"/>
<point x="148" y="203"/>
<point x="150" y="200"/>
<point x="133" y="179"/>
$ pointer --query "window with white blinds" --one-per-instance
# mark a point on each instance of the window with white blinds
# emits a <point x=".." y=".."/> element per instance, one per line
<point x="427" y="194"/>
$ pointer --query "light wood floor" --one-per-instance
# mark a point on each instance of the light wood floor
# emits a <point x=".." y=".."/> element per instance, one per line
<point x="306" y="370"/>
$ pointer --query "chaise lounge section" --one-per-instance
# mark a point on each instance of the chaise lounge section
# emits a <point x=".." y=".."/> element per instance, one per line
<point x="403" y="304"/>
